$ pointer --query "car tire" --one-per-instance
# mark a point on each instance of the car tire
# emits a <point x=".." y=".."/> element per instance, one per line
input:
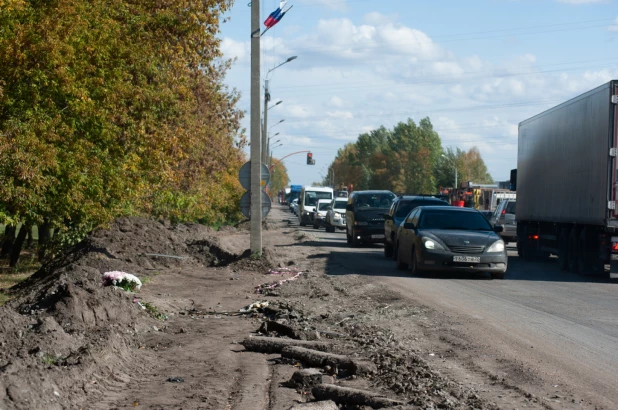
<point x="400" y="265"/>
<point x="413" y="264"/>
<point x="395" y="250"/>
<point x="497" y="275"/>
<point x="388" y="250"/>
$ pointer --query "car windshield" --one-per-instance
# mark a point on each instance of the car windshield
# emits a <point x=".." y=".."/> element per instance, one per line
<point x="340" y="205"/>
<point x="312" y="197"/>
<point x="469" y="221"/>
<point x="405" y="207"/>
<point x="323" y="206"/>
<point x="374" y="201"/>
<point x="510" y="207"/>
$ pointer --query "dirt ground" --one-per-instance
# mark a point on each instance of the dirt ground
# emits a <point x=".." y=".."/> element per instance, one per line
<point x="68" y="342"/>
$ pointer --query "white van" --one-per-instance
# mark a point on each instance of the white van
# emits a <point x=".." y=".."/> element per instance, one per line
<point x="309" y="196"/>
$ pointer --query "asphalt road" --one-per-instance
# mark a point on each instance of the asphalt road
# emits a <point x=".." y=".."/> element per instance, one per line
<point x="560" y="327"/>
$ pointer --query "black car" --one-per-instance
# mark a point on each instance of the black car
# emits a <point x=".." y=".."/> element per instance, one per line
<point x="402" y="206"/>
<point x="365" y="216"/>
<point x="436" y="238"/>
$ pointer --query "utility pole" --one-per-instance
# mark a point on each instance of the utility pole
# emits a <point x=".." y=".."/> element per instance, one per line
<point x="256" y="155"/>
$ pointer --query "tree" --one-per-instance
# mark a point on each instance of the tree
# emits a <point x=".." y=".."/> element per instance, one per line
<point x="413" y="151"/>
<point x="113" y="107"/>
<point x="470" y="167"/>
<point x="279" y="178"/>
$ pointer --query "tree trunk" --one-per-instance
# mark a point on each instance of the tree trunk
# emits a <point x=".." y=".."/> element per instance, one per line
<point x="19" y="243"/>
<point x="44" y="237"/>
<point x="7" y="243"/>
<point x="29" y="239"/>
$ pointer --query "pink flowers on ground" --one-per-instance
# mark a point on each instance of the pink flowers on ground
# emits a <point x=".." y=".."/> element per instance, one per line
<point x="122" y="280"/>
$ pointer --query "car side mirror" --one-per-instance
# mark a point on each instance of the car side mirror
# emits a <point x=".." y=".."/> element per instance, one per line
<point x="388" y="217"/>
<point x="498" y="228"/>
<point x="409" y="225"/>
<point x="349" y="207"/>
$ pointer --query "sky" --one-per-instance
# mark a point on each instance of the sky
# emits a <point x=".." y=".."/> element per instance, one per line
<point x="475" y="68"/>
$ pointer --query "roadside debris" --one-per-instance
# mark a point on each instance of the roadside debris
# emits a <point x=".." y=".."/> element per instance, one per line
<point x="176" y="379"/>
<point x="126" y="281"/>
<point x="276" y="345"/>
<point x="263" y="288"/>
<point x="346" y="395"/>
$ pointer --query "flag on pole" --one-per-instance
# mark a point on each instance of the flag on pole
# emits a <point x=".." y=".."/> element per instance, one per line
<point x="276" y="15"/>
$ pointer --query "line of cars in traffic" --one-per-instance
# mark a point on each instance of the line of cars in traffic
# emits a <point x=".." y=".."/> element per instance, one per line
<point x="421" y="232"/>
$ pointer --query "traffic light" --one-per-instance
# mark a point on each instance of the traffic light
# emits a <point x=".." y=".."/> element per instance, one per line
<point x="310" y="160"/>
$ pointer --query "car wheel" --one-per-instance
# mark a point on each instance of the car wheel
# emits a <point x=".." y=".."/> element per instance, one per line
<point x="395" y="250"/>
<point x="413" y="264"/>
<point x="400" y="265"/>
<point x="388" y="249"/>
<point x="497" y="275"/>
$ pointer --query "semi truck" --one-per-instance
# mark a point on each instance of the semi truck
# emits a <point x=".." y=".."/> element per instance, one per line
<point x="566" y="183"/>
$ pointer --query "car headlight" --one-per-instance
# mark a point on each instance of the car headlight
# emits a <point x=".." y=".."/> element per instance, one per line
<point x="306" y="213"/>
<point x="337" y="215"/>
<point x="360" y="223"/>
<point x="497" y="246"/>
<point x="431" y="244"/>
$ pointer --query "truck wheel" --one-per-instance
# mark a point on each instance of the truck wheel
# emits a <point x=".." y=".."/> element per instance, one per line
<point x="574" y="251"/>
<point x="563" y="250"/>
<point x="388" y="249"/>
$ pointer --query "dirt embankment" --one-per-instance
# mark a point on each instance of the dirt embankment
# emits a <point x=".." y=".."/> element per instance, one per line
<point x="69" y="342"/>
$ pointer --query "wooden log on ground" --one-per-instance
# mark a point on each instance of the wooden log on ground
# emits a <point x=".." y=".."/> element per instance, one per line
<point x="316" y="405"/>
<point x="320" y="359"/>
<point x="276" y="345"/>
<point x="356" y="397"/>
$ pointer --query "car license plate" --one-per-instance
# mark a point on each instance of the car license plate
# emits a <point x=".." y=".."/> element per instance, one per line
<point x="377" y="236"/>
<point x="473" y="259"/>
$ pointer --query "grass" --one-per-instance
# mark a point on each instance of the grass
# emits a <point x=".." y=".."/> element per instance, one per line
<point x="153" y="311"/>
<point x="255" y="256"/>
<point x="49" y="359"/>
<point x="10" y="277"/>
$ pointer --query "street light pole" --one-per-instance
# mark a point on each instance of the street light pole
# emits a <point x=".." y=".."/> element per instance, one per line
<point x="264" y="137"/>
<point x="266" y="100"/>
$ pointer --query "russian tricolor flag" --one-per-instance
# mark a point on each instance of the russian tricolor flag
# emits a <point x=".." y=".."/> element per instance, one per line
<point x="276" y="15"/>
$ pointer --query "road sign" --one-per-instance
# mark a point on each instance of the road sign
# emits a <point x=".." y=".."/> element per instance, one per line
<point x="245" y="204"/>
<point x="244" y="175"/>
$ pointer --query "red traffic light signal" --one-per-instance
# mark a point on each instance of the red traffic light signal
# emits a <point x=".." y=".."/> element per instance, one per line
<point x="310" y="159"/>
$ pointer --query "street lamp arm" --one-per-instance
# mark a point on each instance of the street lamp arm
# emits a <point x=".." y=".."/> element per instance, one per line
<point x="289" y="155"/>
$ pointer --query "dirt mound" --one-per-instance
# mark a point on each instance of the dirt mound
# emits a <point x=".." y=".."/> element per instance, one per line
<point x="65" y="329"/>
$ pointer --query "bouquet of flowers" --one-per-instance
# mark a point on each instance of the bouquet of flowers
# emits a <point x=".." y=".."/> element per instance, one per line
<point x="123" y="280"/>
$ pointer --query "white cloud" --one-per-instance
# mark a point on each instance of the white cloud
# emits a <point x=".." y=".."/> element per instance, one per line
<point x="351" y="78"/>
<point x="614" y="26"/>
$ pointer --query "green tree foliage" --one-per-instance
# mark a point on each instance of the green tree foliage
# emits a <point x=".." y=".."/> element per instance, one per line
<point x="402" y="160"/>
<point x="470" y="167"/>
<point x="115" y="107"/>
<point x="279" y="178"/>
